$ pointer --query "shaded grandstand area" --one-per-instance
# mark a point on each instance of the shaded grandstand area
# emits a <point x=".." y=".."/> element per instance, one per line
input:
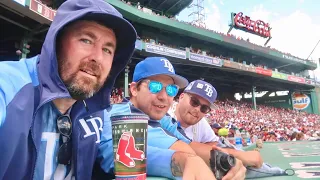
<point x="16" y="24"/>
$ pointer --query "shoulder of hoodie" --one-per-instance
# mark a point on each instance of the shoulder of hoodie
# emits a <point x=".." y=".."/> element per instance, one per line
<point x="14" y="75"/>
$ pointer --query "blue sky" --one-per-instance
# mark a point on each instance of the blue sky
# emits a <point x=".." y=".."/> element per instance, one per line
<point x="295" y="23"/>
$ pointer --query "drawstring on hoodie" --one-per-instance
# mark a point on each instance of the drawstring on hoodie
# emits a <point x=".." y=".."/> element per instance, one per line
<point x="85" y="105"/>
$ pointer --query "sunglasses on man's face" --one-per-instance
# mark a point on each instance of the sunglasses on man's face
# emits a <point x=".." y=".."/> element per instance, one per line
<point x="156" y="86"/>
<point x="65" y="128"/>
<point x="194" y="102"/>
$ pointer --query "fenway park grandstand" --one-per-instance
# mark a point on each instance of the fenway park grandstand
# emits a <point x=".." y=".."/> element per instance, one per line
<point x="267" y="92"/>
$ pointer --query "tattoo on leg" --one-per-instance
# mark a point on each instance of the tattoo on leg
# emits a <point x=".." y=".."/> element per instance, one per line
<point x="175" y="168"/>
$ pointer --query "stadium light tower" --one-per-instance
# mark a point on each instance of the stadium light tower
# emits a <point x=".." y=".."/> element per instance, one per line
<point x="198" y="14"/>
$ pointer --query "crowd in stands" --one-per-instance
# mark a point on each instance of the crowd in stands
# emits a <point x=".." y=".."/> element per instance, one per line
<point x="266" y="123"/>
<point x="116" y="95"/>
<point x="153" y="12"/>
<point x="206" y="53"/>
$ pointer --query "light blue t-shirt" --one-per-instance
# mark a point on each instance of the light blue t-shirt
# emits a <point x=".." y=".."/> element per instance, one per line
<point x="159" y="141"/>
<point x="173" y="126"/>
<point x="47" y="166"/>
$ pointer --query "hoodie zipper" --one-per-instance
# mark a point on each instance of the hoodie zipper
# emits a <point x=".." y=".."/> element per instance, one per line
<point x="34" y="117"/>
<point x="35" y="162"/>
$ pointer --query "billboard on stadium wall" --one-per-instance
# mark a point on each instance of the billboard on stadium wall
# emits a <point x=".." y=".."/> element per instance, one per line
<point x="205" y="59"/>
<point x="42" y="10"/>
<point x="296" y="79"/>
<point x="245" y="23"/>
<point x="248" y="68"/>
<point x="266" y="72"/>
<point x="300" y="101"/>
<point x="279" y="75"/>
<point x="231" y="64"/>
<point x="156" y="49"/>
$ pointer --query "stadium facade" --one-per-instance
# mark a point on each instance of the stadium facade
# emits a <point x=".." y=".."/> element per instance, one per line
<point x="231" y="64"/>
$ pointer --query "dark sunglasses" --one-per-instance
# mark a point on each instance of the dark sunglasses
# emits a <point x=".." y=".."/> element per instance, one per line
<point x="65" y="128"/>
<point x="156" y="86"/>
<point x="194" y="102"/>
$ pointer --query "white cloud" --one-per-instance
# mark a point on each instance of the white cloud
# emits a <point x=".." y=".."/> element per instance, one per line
<point x="260" y="13"/>
<point x="213" y="20"/>
<point x="297" y="34"/>
<point x="221" y="2"/>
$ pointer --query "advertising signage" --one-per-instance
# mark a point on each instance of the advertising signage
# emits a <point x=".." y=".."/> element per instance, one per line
<point x="248" y="68"/>
<point x="245" y="23"/>
<point x="296" y="79"/>
<point x="293" y="58"/>
<point x="205" y="59"/>
<point x="152" y="48"/>
<point x="42" y="10"/>
<point x="279" y="75"/>
<point x="266" y="72"/>
<point x="310" y="81"/>
<point x="300" y="101"/>
<point x="231" y="64"/>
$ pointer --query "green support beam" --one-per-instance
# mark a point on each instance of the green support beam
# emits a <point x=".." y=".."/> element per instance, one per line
<point x="254" y="103"/>
<point x="315" y="105"/>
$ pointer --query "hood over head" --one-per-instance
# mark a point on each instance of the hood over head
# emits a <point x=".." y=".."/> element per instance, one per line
<point x="51" y="85"/>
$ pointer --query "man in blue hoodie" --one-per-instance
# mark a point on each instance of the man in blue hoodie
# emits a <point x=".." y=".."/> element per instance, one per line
<point x="51" y="104"/>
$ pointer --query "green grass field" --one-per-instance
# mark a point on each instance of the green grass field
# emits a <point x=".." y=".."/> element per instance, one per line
<point x="302" y="156"/>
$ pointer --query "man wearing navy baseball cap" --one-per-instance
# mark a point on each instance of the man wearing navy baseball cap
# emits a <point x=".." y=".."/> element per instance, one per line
<point x="189" y="114"/>
<point x="154" y="86"/>
<point x="194" y="103"/>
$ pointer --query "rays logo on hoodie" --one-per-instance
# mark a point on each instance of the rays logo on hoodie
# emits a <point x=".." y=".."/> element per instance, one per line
<point x="92" y="126"/>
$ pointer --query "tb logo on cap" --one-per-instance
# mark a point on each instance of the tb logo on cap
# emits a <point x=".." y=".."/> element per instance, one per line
<point x="208" y="88"/>
<point x="168" y="65"/>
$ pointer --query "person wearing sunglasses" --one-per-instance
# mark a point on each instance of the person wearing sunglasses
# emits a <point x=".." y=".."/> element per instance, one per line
<point x="189" y="114"/>
<point x="154" y="86"/>
<point x="49" y="103"/>
<point x="190" y="110"/>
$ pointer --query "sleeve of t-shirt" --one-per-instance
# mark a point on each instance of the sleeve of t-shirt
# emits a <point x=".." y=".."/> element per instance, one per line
<point x="207" y="134"/>
<point x="161" y="138"/>
<point x="159" y="162"/>
<point x="171" y="125"/>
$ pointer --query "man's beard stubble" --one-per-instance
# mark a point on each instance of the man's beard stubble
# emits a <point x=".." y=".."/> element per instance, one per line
<point x="81" y="88"/>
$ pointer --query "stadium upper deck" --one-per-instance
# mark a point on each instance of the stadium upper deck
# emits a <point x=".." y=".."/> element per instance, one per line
<point x="230" y="63"/>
